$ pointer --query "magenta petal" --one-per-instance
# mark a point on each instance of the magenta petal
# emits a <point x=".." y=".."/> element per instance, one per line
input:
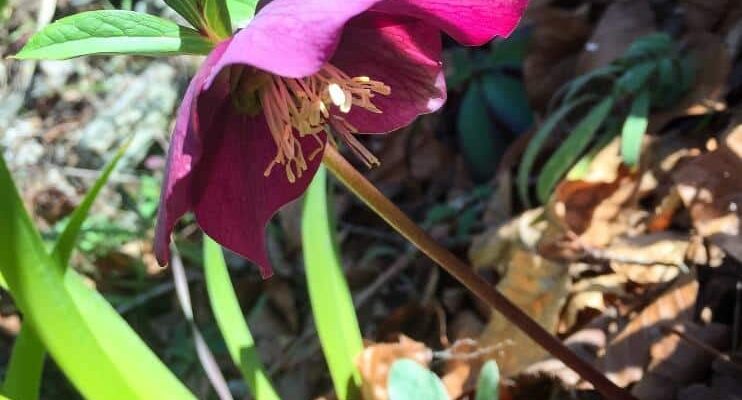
<point x="402" y="52"/>
<point x="183" y="156"/>
<point x="234" y="200"/>
<point x="293" y="38"/>
<point x="470" y="22"/>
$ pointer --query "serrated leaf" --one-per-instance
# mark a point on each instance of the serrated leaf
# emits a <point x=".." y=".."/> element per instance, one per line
<point x="488" y="383"/>
<point x="634" y="129"/>
<point x="23" y="375"/>
<point x="189" y="10"/>
<point x="113" y="32"/>
<point x="410" y="380"/>
<point x="332" y="304"/>
<point x="537" y="142"/>
<point x="560" y="162"/>
<point x="232" y="324"/>
<point x="84" y="335"/>
<point x="480" y="142"/>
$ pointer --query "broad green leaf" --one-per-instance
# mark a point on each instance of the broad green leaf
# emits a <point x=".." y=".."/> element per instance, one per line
<point x="488" y="384"/>
<point x="241" y="12"/>
<point x="537" y="142"/>
<point x="481" y="143"/>
<point x="189" y="10"/>
<point x="560" y="162"/>
<point x="508" y="100"/>
<point x="113" y="32"/>
<point x="512" y="50"/>
<point x="332" y="304"/>
<point x="217" y="18"/>
<point x="634" y="129"/>
<point x="23" y="376"/>
<point x="410" y="380"/>
<point x="66" y="242"/>
<point x="84" y="335"/>
<point x="232" y="324"/>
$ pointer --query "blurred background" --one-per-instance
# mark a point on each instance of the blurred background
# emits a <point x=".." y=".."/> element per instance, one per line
<point x="625" y="244"/>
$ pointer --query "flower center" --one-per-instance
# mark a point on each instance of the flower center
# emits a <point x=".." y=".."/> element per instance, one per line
<point x="295" y="108"/>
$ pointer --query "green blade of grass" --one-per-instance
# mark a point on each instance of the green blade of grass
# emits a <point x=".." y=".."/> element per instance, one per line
<point x="560" y="162"/>
<point x="332" y="304"/>
<point x="537" y="142"/>
<point x="488" y="383"/>
<point x="23" y="376"/>
<point x="90" y="342"/>
<point x="634" y="129"/>
<point x="232" y="324"/>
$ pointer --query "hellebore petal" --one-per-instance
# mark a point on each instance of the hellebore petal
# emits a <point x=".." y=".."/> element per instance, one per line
<point x="402" y="52"/>
<point x="233" y="199"/>
<point x="292" y="38"/>
<point x="470" y="22"/>
<point x="185" y="152"/>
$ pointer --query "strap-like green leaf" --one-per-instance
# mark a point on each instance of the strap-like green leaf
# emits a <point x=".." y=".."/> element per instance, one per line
<point x="570" y="150"/>
<point x="23" y="377"/>
<point x="241" y="11"/>
<point x="634" y="129"/>
<point x="332" y="304"/>
<point x="488" y="384"/>
<point x="217" y="17"/>
<point x="91" y="343"/>
<point x="232" y="324"/>
<point x="113" y="32"/>
<point x="189" y="10"/>
<point x="537" y="142"/>
<point x="410" y="380"/>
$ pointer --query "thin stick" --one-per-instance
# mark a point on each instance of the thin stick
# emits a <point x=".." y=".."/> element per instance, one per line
<point x="395" y="217"/>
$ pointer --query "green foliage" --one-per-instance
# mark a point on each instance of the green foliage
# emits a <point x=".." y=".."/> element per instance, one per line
<point x="652" y="73"/>
<point x="217" y="17"/>
<point x="332" y="304"/>
<point x="189" y="10"/>
<point x="479" y="140"/>
<point x="232" y="324"/>
<point x="241" y="12"/>
<point x="113" y="32"/>
<point x="410" y="380"/>
<point x="23" y="377"/>
<point x="488" y="384"/>
<point x="85" y="336"/>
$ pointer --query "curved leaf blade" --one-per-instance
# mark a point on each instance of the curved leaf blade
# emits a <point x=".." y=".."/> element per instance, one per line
<point x="23" y="376"/>
<point x="634" y="129"/>
<point x="488" y="383"/>
<point x="332" y="304"/>
<point x="570" y="150"/>
<point x="410" y="380"/>
<point x="189" y="10"/>
<point x="112" y="32"/>
<point x="232" y="324"/>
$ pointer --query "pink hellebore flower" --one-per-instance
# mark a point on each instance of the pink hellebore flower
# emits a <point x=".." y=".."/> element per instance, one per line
<point x="254" y="122"/>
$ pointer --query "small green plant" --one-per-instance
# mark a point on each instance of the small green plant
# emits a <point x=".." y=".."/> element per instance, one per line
<point x="410" y="380"/>
<point x="609" y="101"/>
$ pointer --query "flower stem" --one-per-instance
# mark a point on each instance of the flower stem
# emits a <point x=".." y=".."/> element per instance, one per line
<point x="395" y="217"/>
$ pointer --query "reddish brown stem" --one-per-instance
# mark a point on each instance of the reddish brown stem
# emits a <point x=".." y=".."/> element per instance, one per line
<point x="395" y="217"/>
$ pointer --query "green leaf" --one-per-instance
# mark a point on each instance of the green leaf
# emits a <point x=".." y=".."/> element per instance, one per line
<point x="232" y="324"/>
<point x="570" y="150"/>
<point x="332" y="304"/>
<point x="66" y="242"/>
<point x="634" y="129"/>
<point x="636" y="77"/>
<point x="217" y="17"/>
<point x="241" y="12"/>
<point x="488" y="384"/>
<point x="113" y="32"/>
<point x="537" y="142"/>
<point x="410" y="380"/>
<point x="481" y="143"/>
<point x="189" y="10"/>
<point x="23" y="376"/>
<point x="575" y="86"/>
<point x="508" y="100"/>
<point x="90" y="342"/>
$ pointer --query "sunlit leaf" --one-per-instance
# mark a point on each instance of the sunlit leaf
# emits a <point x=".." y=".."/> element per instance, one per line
<point x="332" y="304"/>
<point x="570" y="150"/>
<point x="113" y="32"/>
<point x="241" y="12"/>
<point x="188" y="9"/>
<point x="634" y="129"/>
<point x="232" y="324"/>
<point x="488" y="384"/>
<point x="410" y="380"/>
<point x="217" y="17"/>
